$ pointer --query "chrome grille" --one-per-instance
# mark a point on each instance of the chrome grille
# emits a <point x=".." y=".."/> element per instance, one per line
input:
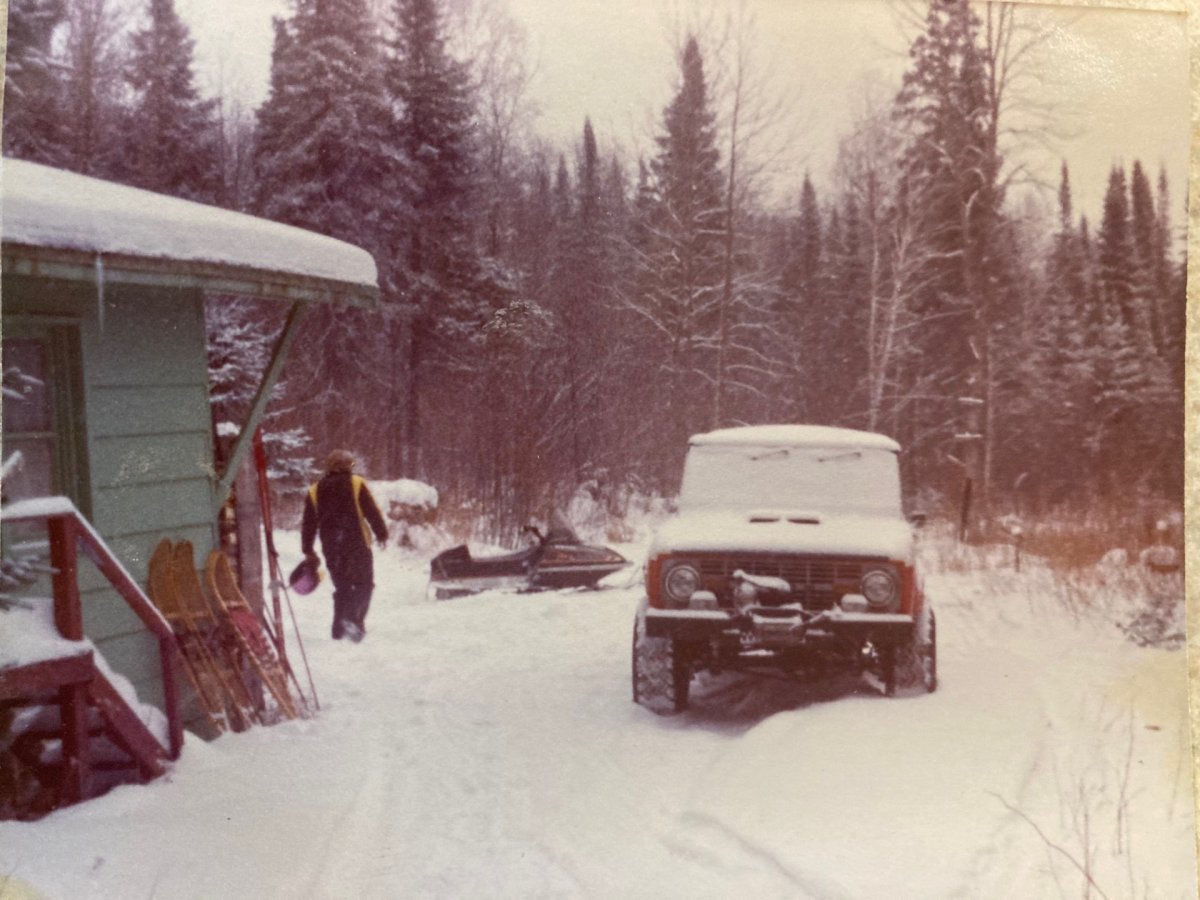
<point x="813" y="580"/>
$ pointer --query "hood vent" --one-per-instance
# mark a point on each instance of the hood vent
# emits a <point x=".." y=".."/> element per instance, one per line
<point x="796" y="518"/>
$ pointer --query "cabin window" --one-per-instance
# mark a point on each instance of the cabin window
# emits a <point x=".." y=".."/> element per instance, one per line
<point x="43" y="414"/>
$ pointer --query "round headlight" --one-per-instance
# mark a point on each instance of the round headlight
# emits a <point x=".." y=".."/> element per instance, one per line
<point x="879" y="587"/>
<point x="681" y="582"/>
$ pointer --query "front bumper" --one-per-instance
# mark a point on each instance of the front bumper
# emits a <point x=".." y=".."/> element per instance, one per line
<point x="780" y="627"/>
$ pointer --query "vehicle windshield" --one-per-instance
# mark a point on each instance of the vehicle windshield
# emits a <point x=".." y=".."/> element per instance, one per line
<point x="829" y="480"/>
<point x="560" y="530"/>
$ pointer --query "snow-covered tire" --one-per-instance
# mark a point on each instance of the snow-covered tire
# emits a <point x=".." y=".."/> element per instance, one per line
<point x="914" y="670"/>
<point x="661" y="676"/>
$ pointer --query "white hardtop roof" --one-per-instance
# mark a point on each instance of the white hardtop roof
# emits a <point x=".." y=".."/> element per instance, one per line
<point x="51" y="208"/>
<point x="795" y="436"/>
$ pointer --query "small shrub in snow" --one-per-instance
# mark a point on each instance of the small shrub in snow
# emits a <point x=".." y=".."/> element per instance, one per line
<point x="1161" y="622"/>
<point x="1147" y="605"/>
<point x="1079" y="539"/>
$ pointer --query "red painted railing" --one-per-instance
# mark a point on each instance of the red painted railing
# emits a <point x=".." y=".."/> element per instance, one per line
<point x="68" y="532"/>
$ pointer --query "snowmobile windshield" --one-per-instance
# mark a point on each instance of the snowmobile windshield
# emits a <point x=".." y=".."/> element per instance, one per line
<point x="560" y="530"/>
<point x="830" y="480"/>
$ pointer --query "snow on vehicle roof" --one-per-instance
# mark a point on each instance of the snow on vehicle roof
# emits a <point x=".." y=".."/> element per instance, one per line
<point x="53" y="208"/>
<point x="795" y="436"/>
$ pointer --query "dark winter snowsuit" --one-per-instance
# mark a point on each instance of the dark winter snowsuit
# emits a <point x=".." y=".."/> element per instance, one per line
<point x="340" y="508"/>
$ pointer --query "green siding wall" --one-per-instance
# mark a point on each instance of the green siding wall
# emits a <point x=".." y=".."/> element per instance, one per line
<point x="144" y="409"/>
<point x="148" y="445"/>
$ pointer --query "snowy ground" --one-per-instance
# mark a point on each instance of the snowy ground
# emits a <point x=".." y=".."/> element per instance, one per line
<point x="487" y="747"/>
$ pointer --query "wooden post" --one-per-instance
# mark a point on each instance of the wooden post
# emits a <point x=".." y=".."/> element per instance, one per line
<point x="168" y="652"/>
<point x="249" y="558"/>
<point x="76" y="749"/>
<point x="72" y="698"/>
<point x="68" y="613"/>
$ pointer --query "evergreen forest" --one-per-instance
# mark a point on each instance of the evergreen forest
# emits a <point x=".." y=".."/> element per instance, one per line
<point x="561" y="318"/>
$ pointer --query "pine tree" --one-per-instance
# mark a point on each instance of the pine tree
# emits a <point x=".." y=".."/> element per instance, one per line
<point x="589" y="180"/>
<point x="949" y="105"/>
<point x="1116" y="253"/>
<point x="641" y="341"/>
<point x="32" y="93"/>
<point x="325" y="158"/>
<point x="1163" y="394"/>
<point x="615" y="203"/>
<point x="563" y="202"/>
<point x="683" y="253"/>
<point x="435" y="129"/>
<point x="806" y="316"/>
<point x="1164" y="239"/>
<point x="1134" y="398"/>
<point x="807" y="273"/>
<point x="1065" y="336"/>
<point x="325" y="161"/>
<point x="172" y="136"/>
<point x="848" y="284"/>
<point x="1170" y="289"/>
<point x="583" y="297"/>
<point x="91" y="115"/>
<point x="1147" y="249"/>
<point x="534" y="228"/>
<point x="447" y="290"/>
<point x="580" y="284"/>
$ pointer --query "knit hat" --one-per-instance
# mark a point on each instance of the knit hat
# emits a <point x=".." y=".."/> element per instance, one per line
<point x="339" y="461"/>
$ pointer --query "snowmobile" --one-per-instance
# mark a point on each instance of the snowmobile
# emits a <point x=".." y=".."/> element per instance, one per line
<point x="556" y="559"/>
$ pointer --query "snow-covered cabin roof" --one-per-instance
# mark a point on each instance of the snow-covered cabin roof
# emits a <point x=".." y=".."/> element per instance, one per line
<point x="54" y="221"/>
<point x="796" y="436"/>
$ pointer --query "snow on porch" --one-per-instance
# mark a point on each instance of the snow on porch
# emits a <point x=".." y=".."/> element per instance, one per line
<point x="53" y="208"/>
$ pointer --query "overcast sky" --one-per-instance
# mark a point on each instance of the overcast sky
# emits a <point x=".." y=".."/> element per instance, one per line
<point x="1118" y="77"/>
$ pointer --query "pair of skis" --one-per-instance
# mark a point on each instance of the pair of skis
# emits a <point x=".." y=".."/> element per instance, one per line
<point x="227" y="651"/>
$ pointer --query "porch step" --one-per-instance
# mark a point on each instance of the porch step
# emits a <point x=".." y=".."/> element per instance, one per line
<point x="69" y="735"/>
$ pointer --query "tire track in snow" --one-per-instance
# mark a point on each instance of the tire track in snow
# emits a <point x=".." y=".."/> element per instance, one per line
<point x="456" y="798"/>
<point x="341" y="852"/>
<point x="720" y="846"/>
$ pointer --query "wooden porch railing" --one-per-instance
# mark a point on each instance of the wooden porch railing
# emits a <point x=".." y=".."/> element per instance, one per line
<point x="68" y="532"/>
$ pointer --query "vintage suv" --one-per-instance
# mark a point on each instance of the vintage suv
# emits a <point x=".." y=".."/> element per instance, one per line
<point x="790" y="551"/>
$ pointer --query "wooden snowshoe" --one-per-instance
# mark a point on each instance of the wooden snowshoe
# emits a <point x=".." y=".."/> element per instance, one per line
<point x="198" y="666"/>
<point x="248" y="631"/>
<point x="218" y="642"/>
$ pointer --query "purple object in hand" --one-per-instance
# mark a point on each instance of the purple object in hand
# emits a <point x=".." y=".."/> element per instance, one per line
<point x="305" y="577"/>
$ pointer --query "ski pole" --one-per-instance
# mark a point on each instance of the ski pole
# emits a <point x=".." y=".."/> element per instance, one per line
<point x="264" y="494"/>
<point x="303" y="655"/>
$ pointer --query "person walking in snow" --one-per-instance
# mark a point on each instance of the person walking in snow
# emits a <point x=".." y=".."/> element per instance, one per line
<point x="342" y="511"/>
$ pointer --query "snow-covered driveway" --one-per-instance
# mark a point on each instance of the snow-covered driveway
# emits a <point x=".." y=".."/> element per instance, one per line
<point x="487" y="747"/>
